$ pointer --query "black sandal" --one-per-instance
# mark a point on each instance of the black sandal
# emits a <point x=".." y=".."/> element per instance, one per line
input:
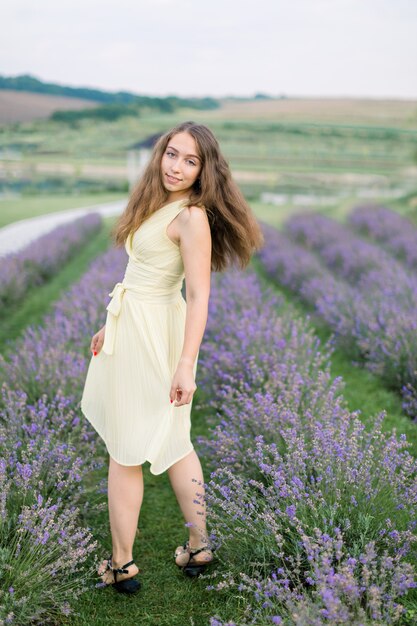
<point x="192" y="569"/>
<point x="127" y="585"/>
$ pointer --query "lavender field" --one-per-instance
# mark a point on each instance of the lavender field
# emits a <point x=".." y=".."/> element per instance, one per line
<point x="313" y="514"/>
<point x="366" y="295"/>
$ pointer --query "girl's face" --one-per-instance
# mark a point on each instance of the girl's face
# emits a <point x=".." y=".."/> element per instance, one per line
<point x="180" y="165"/>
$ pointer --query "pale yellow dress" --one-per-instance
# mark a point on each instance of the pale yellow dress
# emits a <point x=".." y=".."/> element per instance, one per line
<point x="126" y="391"/>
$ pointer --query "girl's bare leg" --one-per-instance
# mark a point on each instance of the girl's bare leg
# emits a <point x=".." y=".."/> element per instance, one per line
<point x="125" y="496"/>
<point x="191" y="498"/>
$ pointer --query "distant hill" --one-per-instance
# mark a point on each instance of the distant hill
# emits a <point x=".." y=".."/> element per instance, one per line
<point x="27" y="82"/>
<point x="69" y="104"/>
<point x="24" y="106"/>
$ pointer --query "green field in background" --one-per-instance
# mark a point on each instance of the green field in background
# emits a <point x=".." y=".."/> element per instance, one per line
<point x="14" y="209"/>
<point x="317" y="152"/>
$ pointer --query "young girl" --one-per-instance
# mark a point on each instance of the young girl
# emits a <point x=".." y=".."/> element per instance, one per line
<point x="185" y="217"/>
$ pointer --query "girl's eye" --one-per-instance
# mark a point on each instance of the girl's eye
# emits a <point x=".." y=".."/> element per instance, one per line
<point x="169" y="153"/>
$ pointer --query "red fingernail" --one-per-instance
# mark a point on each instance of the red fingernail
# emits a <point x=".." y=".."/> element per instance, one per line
<point x="170" y="400"/>
<point x="95" y="353"/>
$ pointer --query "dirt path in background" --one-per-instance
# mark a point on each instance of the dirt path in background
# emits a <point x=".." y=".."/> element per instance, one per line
<point x="17" y="235"/>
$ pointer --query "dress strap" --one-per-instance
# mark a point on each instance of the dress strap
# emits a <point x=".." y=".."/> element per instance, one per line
<point x="176" y="209"/>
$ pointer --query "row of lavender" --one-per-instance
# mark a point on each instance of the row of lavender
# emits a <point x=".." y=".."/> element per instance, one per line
<point x="44" y="257"/>
<point x="47" y="450"/>
<point x="313" y="515"/>
<point x="367" y="296"/>
<point x="395" y="232"/>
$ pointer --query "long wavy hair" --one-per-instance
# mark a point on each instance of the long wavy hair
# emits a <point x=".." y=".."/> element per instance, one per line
<point x="235" y="231"/>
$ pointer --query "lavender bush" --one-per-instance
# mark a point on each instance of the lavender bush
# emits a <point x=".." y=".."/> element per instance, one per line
<point x="43" y="257"/>
<point x="47" y="444"/>
<point x="42" y="558"/>
<point x="395" y="232"/>
<point x="51" y="358"/>
<point x="313" y="516"/>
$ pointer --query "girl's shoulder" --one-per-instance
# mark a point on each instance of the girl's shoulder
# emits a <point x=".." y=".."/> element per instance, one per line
<point x="198" y="206"/>
<point x="195" y="214"/>
<point x="195" y="209"/>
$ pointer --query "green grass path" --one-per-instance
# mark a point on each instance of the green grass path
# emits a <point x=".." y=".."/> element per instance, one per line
<point x="167" y="597"/>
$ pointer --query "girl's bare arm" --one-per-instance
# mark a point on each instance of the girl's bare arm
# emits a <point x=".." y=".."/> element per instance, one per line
<point x="195" y="246"/>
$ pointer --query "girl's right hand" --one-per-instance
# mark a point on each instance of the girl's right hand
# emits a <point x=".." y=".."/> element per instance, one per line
<point x="97" y="341"/>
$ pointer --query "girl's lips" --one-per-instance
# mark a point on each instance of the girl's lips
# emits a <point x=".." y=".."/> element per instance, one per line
<point x="172" y="180"/>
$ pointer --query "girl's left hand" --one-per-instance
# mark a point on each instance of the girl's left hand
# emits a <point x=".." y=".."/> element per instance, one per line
<point x="183" y="385"/>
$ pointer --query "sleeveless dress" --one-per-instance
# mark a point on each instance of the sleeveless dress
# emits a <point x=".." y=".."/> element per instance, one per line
<point x="126" y="391"/>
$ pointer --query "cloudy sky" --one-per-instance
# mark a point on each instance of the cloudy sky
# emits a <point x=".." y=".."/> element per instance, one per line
<point x="216" y="47"/>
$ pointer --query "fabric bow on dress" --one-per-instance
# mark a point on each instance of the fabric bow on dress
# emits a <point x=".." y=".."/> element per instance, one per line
<point x="113" y="310"/>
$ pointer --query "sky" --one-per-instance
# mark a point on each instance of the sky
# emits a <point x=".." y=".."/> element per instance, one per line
<point x="219" y="48"/>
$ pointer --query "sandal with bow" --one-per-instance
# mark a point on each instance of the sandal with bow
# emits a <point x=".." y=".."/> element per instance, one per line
<point x="196" y="568"/>
<point x="127" y="585"/>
